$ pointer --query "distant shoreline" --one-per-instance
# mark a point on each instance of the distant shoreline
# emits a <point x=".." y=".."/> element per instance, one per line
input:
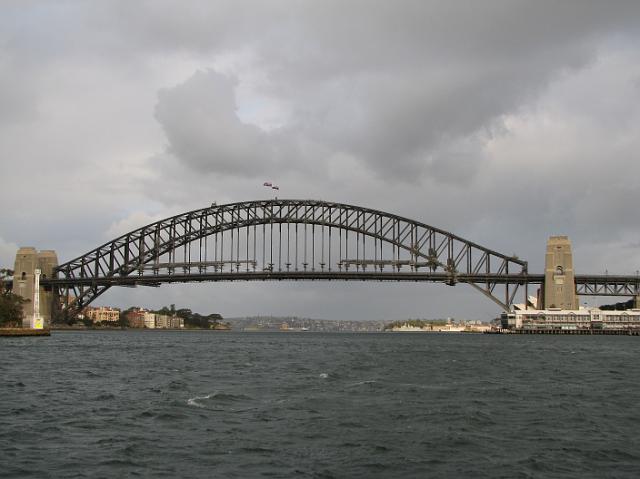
<point x="75" y="328"/>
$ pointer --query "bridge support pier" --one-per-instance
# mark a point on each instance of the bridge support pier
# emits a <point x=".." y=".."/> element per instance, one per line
<point x="27" y="261"/>
<point x="559" y="280"/>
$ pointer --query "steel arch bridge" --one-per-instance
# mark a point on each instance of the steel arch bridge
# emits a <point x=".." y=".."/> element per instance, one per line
<point x="284" y="239"/>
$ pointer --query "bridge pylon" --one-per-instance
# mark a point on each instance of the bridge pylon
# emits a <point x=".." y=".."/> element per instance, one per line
<point x="28" y="260"/>
<point x="559" y="289"/>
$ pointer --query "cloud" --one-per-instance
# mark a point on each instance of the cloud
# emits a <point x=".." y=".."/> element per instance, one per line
<point x="204" y="131"/>
<point x="503" y="123"/>
<point x="395" y="100"/>
<point x="133" y="221"/>
<point x="8" y="252"/>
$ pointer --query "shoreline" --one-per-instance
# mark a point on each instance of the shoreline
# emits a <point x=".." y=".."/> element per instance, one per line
<point x="58" y="329"/>
<point x="22" y="332"/>
<point x="573" y="332"/>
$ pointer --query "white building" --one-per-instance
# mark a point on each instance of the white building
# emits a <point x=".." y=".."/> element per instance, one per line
<point x="585" y="318"/>
<point x="163" y="321"/>
<point x="103" y="314"/>
<point x="149" y="320"/>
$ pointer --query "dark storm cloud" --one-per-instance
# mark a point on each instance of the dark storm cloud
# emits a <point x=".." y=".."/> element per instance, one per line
<point x="200" y="121"/>
<point x="502" y="121"/>
<point x="394" y="85"/>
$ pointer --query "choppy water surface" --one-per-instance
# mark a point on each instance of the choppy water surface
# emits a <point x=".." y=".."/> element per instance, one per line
<point x="206" y="404"/>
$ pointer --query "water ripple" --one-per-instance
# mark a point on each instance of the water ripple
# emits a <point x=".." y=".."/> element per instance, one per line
<point x="319" y="405"/>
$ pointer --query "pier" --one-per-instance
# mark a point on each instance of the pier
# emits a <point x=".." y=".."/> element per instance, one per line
<point x="588" y="332"/>
<point x="16" y="332"/>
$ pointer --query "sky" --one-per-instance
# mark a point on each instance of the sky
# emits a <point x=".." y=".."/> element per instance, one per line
<point x="502" y="121"/>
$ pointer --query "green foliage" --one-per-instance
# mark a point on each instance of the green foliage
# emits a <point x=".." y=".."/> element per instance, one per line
<point x="10" y="304"/>
<point x="191" y="319"/>
<point x="416" y="323"/>
<point x="619" y="306"/>
<point x="11" y="309"/>
<point x="5" y="273"/>
<point x="123" y="322"/>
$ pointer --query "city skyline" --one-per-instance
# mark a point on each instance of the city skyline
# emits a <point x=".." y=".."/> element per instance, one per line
<point x="504" y="124"/>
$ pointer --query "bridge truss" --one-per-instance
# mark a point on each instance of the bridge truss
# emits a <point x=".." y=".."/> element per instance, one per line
<point x="607" y="285"/>
<point x="288" y="240"/>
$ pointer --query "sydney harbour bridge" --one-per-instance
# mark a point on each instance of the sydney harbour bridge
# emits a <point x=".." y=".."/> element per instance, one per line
<point x="310" y="240"/>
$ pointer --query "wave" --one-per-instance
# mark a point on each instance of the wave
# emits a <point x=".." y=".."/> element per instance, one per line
<point x="197" y="401"/>
<point x="194" y="400"/>
<point x="363" y="383"/>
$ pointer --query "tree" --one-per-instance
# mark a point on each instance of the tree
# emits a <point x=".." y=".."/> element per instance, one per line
<point x="10" y="304"/>
<point x="11" y="309"/>
<point x="191" y="319"/>
<point x="5" y="273"/>
<point x="123" y="321"/>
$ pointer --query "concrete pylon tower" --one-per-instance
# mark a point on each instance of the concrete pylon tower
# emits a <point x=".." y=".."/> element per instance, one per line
<point x="47" y="260"/>
<point x="27" y="261"/>
<point x="24" y="279"/>
<point x="559" y="280"/>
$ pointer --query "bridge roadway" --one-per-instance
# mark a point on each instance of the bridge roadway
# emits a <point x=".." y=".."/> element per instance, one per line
<point x="586" y="285"/>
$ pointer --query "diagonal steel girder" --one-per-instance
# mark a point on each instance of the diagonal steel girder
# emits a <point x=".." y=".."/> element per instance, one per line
<point x="91" y="274"/>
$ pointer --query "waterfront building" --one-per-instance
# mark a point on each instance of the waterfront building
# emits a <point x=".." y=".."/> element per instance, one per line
<point x="135" y="317"/>
<point x="141" y="318"/>
<point x="136" y="322"/>
<point x="565" y="319"/>
<point x="149" y="320"/>
<point x="177" y="323"/>
<point x="163" y="321"/>
<point x="450" y="325"/>
<point x="102" y="314"/>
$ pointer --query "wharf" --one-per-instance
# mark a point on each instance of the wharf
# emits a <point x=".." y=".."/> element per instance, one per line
<point x="587" y="332"/>
<point x="16" y="332"/>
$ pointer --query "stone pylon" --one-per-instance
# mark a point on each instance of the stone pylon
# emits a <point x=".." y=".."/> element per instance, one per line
<point x="27" y="261"/>
<point x="559" y="279"/>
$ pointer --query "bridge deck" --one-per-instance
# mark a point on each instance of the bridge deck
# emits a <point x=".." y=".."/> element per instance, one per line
<point x="298" y="276"/>
<point x="596" y="282"/>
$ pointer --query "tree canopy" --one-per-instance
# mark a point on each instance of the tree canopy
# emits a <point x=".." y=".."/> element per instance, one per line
<point x="10" y="304"/>
<point x="191" y="319"/>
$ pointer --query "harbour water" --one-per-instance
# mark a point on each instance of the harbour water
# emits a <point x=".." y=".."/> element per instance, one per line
<point x="207" y="404"/>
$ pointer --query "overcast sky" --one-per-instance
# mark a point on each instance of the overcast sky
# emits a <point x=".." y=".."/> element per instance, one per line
<point x="501" y="121"/>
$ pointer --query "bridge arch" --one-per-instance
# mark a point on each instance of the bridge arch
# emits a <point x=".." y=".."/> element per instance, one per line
<point x="382" y="246"/>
